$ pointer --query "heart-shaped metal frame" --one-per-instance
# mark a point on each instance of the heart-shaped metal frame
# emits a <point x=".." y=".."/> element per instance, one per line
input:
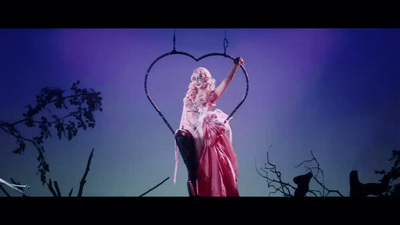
<point x="174" y="52"/>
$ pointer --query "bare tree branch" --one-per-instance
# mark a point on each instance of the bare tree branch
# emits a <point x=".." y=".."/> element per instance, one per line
<point x="4" y="191"/>
<point x="15" y="187"/>
<point x="285" y="188"/>
<point x="57" y="189"/>
<point x="83" y="180"/>
<point x="154" y="187"/>
<point x="315" y="176"/>
<point x="50" y="185"/>
<point x="275" y="182"/>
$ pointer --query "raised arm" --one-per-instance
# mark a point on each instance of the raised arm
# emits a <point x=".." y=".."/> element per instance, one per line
<point x="224" y="84"/>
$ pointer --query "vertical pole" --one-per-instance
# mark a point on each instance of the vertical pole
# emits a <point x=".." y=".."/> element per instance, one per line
<point x="225" y="43"/>
<point x="174" y="42"/>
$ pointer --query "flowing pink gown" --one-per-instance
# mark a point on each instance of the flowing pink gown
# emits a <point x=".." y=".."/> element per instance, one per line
<point x="218" y="166"/>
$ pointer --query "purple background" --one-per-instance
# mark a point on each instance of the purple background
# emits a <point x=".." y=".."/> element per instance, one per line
<point x="335" y="92"/>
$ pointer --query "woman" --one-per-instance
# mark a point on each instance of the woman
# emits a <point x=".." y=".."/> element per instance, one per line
<point x="205" y="139"/>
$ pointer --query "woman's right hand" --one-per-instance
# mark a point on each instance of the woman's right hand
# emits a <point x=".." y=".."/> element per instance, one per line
<point x="239" y="61"/>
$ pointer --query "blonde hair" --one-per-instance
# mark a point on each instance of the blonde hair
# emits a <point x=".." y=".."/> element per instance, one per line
<point x="194" y="94"/>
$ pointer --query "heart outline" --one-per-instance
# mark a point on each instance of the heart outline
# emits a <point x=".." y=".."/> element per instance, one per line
<point x="174" y="52"/>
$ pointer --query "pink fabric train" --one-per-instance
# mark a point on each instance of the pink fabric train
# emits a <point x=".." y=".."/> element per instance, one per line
<point x="218" y="166"/>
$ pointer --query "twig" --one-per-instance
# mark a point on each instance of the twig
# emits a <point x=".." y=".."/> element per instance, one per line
<point x="18" y="185"/>
<point x="57" y="189"/>
<point x="4" y="191"/>
<point x="83" y="180"/>
<point x="316" y="161"/>
<point x="154" y="187"/>
<point x="322" y="184"/>
<point x="284" y="187"/>
<point x="15" y="187"/>
<point x="50" y="185"/>
<point x="279" y="181"/>
<point x="70" y="192"/>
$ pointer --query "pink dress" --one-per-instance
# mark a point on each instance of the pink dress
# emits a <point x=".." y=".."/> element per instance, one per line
<point x="218" y="167"/>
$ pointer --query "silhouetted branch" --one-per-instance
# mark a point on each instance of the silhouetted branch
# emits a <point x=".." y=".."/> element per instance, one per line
<point x="57" y="192"/>
<point x="43" y="165"/>
<point x="50" y="186"/>
<point x="4" y="190"/>
<point x="154" y="187"/>
<point x="276" y="183"/>
<point x="309" y="160"/>
<point x="57" y="189"/>
<point x="315" y="176"/>
<point x="302" y="181"/>
<point x="70" y="192"/>
<point x="81" y="104"/>
<point x="83" y="180"/>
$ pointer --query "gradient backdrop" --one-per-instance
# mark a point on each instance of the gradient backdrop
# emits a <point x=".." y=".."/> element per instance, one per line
<point x="335" y="92"/>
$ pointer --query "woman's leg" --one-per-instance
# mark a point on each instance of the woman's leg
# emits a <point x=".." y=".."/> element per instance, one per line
<point x="186" y="145"/>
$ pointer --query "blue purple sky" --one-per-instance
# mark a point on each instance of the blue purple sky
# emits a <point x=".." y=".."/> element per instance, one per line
<point x="335" y="92"/>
